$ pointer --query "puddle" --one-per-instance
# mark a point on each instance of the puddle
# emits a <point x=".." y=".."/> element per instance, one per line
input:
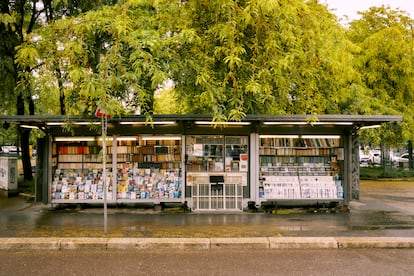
<point x="380" y="227"/>
<point x="365" y="227"/>
<point x="293" y="228"/>
<point x="296" y="219"/>
<point x="400" y="227"/>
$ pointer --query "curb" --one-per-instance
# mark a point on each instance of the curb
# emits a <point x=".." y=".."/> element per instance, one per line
<point x="375" y="242"/>
<point x="158" y="243"/>
<point x="204" y="243"/>
<point x="303" y="243"/>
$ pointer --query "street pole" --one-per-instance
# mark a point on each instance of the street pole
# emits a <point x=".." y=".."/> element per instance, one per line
<point x="104" y="121"/>
<point x="104" y="131"/>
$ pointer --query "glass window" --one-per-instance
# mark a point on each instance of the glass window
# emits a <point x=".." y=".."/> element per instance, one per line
<point x="217" y="153"/>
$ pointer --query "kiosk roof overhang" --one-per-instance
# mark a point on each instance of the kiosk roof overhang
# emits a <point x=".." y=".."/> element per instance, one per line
<point x="201" y="124"/>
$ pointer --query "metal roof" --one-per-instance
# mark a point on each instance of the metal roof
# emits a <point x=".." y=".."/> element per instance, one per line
<point x="356" y="119"/>
<point x="201" y="123"/>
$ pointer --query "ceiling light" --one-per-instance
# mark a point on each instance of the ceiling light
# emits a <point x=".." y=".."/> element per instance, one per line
<point x="368" y="127"/>
<point x="284" y="123"/>
<point x="222" y="123"/>
<point x="279" y="136"/>
<point x="70" y="139"/>
<point x="166" y="138"/>
<point x="29" y="126"/>
<point x="148" y="123"/>
<point x="321" y="136"/>
<point x="72" y="123"/>
<point x="310" y="123"/>
<point x="126" y="138"/>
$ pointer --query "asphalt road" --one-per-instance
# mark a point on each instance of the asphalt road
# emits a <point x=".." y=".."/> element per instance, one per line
<point x="219" y="262"/>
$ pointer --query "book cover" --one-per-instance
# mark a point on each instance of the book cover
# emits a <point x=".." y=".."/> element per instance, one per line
<point x="244" y="162"/>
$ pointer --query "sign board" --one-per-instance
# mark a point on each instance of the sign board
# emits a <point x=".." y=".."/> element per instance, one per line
<point x="101" y="113"/>
<point x="8" y="173"/>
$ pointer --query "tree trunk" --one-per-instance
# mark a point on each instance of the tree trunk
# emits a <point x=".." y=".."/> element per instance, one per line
<point x="61" y="92"/>
<point x="25" y="138"/>
<point x="27" y="165"/>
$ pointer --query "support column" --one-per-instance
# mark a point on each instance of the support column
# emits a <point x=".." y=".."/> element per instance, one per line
<point x="355" y="167"/>
<point x="253" y="180"/>
<point x="347" y="173"/>
<point x="45" y="170"/>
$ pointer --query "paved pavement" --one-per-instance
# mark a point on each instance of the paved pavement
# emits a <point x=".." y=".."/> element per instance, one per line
<point x="382" y="218"/>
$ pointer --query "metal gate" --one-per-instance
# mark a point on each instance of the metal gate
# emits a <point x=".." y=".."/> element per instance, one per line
<point x="217" y="196"/>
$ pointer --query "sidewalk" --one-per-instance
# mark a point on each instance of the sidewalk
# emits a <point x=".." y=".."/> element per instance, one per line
<point x="382" y="218"/>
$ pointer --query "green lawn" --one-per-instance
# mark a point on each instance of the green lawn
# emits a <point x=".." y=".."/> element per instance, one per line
<point x="388" y="172"/>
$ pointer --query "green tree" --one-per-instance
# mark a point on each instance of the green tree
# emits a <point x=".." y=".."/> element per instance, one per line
<point x="18" y="20"/>
<point x="111" y="58"/>
<point x="227" y="58"/>
<point x="166" y="101"/>
<point x="386" y="64"/>
<point x="274" y="57"/>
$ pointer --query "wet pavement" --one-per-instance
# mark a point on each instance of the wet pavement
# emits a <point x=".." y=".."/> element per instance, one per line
<point x="385" y="208"/>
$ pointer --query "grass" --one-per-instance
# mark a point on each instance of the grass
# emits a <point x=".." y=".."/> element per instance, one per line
<point x="374" y="173"/>
<point x="26" y="186"/>
<point x="154" y="231"/>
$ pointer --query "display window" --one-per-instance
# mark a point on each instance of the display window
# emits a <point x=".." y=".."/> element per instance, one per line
<point x="217" y="154"/>
<point x="138" y="168"/>
<point x="300" y="167"/>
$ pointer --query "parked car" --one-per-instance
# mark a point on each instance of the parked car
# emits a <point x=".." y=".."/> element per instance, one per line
<point x="11" y="150"/>
<point x="376" y="158"/>
<point x="364" y="159"/>
<point x="403" y="158"/>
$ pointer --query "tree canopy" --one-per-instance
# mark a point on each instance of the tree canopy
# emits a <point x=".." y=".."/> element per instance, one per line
<point x="227" y="58"/>
<point x="385" y="61"/>
<point x="19" y="19"/>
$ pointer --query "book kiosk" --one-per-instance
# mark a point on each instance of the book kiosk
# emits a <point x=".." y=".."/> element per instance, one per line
<point x="263" y="160"/>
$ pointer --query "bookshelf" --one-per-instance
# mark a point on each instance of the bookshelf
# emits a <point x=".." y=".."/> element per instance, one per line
<point x="78" y="173"/>
<point x="124" y="148"/>
<point x="157" y="152"/>
<point x="138" y="168"/>
<point x="80" y="185"/>
<point x="78" y="155"/>
<point x="151" y="183"/>
<point x="149" y="168"/>
<point x="300" y="168"/>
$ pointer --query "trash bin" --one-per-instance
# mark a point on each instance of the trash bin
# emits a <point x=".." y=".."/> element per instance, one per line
<point x="8" y="175"/>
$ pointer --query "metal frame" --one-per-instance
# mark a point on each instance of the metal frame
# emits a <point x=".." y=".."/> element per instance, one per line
<point x="212" y="201"/>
